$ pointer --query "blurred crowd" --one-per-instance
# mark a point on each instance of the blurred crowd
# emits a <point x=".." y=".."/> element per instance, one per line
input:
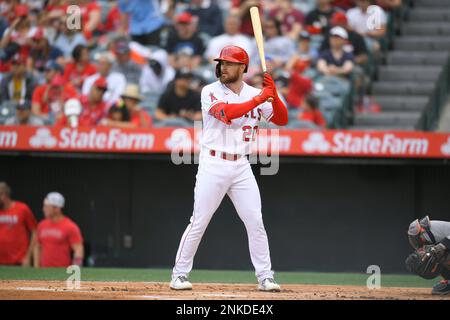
<point x="143" y="63"/>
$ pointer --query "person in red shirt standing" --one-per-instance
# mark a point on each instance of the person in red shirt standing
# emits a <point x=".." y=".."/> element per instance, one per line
<point x="59" y="240"/>
<point x="311" y="112"/>
<point x="94" y="108"/>
<point x="17" y="230"/>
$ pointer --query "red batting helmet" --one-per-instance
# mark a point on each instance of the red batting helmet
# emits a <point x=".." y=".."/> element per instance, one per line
<point x="232" y="54"/>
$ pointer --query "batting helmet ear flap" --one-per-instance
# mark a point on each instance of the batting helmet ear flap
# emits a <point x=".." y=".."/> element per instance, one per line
<point x="218" y="72"/>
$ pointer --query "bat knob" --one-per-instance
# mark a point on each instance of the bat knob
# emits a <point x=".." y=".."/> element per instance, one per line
<point x="270" y="100"/>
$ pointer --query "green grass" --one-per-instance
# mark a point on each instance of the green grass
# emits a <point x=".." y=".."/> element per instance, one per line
<point x="151" y="275"/>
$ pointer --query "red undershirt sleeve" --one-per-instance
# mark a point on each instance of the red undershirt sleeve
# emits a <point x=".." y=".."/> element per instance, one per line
<point x="280" y="113"/>
<point x="226" y="112"/>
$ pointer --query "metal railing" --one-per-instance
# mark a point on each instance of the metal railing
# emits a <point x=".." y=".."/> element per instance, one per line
<point x="438" y="98"/>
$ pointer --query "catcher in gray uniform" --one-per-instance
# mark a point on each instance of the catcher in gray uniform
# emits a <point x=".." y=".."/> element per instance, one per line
<point x="431" y="258"/>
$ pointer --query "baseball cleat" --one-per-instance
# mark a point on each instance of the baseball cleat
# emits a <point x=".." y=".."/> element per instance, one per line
<point x="180" y="283"/>
<point x="441" y="288"/>
<point x="269" y="284"/>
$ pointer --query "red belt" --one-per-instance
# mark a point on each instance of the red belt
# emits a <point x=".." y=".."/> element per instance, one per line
<point x="224" y="155"/>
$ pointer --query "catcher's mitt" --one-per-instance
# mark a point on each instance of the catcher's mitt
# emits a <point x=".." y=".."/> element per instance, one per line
<point x="427" y="261"/>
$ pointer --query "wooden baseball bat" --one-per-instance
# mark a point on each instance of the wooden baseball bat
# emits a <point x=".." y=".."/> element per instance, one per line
<point x="257" y="31"/>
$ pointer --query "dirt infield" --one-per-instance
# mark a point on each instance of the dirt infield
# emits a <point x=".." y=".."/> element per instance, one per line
<point x="25" y="289"/>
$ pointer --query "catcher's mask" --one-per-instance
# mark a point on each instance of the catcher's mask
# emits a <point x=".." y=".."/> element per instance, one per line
<point x="419" y="233"/>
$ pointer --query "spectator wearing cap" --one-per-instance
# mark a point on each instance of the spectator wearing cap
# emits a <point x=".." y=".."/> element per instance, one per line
<point x="116" y="81"/>
<point x="305" y="52"/>
<point x="359" y="19"/>
<point x="68" y="39"/>
<point x="41" y="52"/>
<point x="280" y="48"/>
<point x="124" y="65"/>
<point x="336" y="61"/>
<point x="94" y="108"/>
<point x="24" y="117"/>
<point x="59" y="240"/>
<point x="232" y="36"/>
<point x="291" y="19"/>
<point x="311" y="112"/>
<point x="209" y="16"/>
<point x="356" y="43"/>
<point x="318" y="20"/>
<point x="48" y="98"/>
<point x="136" y="117"/>
<point x="17" y="229"/>
<point x="157" y="73"/>
<point x="20" y="30"/>
<point x="179" y="100"/>
<point x="185" y="40"/>
<point x="18" y="85"/>
<point x="145" y="20"/>
<point x="80" y="68"/>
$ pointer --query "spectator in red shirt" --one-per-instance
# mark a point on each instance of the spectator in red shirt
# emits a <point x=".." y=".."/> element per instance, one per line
<point x="49" y="98"/>
<point x="311" y="112"/>
<point x="17" y="230"/>
<point x="41" y="52"/>
<point x="242" y="9"/>
<point x="135" y="116"/>
<point x="299" y="85"/>
<point x="291" y="19"/>
<point x="389" y="4"/>
<point x="94" y="108"/>
<point x="91" y="17"/>
<point x="343" y="4"/>
<point x="20" y="30"/>
<point x="81" y="67"/>
<point x="59" y="240"/>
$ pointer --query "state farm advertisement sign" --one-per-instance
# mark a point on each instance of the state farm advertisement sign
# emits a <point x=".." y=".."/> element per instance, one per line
<point x="335" y="143"/>
<point x="378" y="144"/>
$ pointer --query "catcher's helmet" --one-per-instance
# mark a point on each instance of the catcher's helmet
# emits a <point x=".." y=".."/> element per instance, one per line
<point x="232" y="54"/>
<point x="419" y="233"/>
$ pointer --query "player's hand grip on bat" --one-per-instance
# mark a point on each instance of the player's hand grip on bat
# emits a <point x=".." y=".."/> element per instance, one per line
<point x="280" y="114"/>
<point x="266" y="93"/>
<point x="226" y="112"/>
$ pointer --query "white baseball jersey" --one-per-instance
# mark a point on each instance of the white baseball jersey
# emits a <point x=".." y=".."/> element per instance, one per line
<point x="217" y="177"/>
<point x="237" y="137"/>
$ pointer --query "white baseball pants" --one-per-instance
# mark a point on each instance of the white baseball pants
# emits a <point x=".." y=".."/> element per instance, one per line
<point x="215" y="178"/>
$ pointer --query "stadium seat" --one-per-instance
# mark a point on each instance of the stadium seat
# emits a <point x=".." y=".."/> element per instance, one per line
<point x="150" y="102"/>
<point x="7" y="110"/>
<point x="301" y="124"/>
<point x="174" y="122"/>
<point x="304" y="6"/>
<point x="335" y="85"/>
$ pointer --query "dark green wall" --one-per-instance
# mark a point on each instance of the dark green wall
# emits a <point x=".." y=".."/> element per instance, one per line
<point x="324" y="216"/>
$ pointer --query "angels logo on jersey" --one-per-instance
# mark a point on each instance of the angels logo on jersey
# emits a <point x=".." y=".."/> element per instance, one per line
<point x="213" y="98"/>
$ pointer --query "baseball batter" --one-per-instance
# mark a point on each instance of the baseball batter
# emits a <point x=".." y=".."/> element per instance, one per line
<point x="231" y="111"/>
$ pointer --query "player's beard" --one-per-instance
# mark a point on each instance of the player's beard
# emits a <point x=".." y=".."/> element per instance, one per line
<point x="229" y="78"/>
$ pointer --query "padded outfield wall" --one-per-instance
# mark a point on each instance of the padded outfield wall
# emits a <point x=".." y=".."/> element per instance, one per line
<point x="320" y="214"/>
